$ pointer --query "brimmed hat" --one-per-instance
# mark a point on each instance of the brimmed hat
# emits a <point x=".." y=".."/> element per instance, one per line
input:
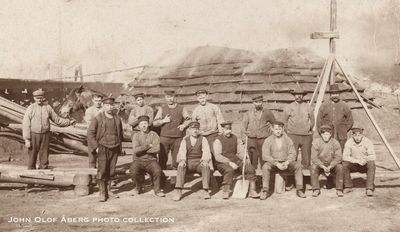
<point x="194" y="124"/>
<point x="143" y="118"/>
<point x="201" y="91"/>
<point x="226" y="123"/>
<point x="334" y="88"/>
<point x="298" y="91"/>
<point x="357" y="128"/>
<point x="258" y="98"/>
<point x="38" y="93"/>
<point x="138" y="95"/>
<point x="277" y="122"/>
<point x="326" y="128"/>
<point x="109" y="100"/>
<point x="169" y="92"/>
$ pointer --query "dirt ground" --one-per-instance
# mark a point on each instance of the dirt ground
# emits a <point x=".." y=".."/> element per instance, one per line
<point x="54" y="209"/>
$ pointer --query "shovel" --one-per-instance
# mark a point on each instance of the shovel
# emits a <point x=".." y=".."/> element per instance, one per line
<point x="242" y="186"/>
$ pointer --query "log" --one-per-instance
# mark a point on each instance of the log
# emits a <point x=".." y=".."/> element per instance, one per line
<point x="325" y="35"/>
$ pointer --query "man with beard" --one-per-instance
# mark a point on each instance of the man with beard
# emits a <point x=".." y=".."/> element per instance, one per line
<point x="230" y="158"/>
<point x="90" y="114"/>
<point x="326" y="156"/>
<point x="138" y="110"/>
<point x="299" y="120"/>
<point x="337" y="113"/>
<point x="105" y="135"/>
<point x="359" y="156"/>
<point x="36" y="129"/>
<point x="279" y="156"/>
<point x="173" y="119"/>
<point x="257" y="127"/>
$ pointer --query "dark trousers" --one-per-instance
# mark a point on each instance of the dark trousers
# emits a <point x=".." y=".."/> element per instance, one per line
<point x="193" y="166"/>
<point x="139" y="169"/>
<point x="342" y="142"/>
<point x="210" y="139"/>
<point x="92" y="159"/>
<point x="39" y="146"/>
<point x="168" y="144"/>
<point x="337" y="171"/>
<point x="368" y="168"/>
<point x="254" y="146"/>
<point x="293" y="167"/>
<point x="107" y="161"/>
<point x="304" y="142"/>
<point x="228" y="172"/>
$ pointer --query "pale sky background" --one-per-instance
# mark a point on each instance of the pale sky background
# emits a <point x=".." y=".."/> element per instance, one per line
<point x="104" y="35"/>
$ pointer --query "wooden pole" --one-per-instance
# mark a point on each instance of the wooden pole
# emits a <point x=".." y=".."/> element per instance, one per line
<point x="332" y="42"/>
<point x="391" y="151"/>
<point x="324" y="83"/>
<point x="315" y="93"/>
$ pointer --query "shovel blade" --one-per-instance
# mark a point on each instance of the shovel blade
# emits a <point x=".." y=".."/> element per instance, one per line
<point x="241" y="189"/>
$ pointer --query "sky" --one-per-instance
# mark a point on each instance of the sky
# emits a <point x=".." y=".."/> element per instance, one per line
<point x="106" y="35"/>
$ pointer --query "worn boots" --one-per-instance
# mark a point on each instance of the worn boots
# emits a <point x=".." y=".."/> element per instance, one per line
<point x="178" y="195"/>
<point x="252" y="192"/>
<point x="226" y="192"/>
<point x="110" y="194"/>
<point x="102" y="191"/>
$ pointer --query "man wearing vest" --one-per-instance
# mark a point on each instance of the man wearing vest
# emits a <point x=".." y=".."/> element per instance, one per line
<point x="229" y="155"/>
<point x="36" y="129"/>
<point x="105" y="135"/>
<point x="326" y="156"/>
<point x="193" y="156"/>
<point x="173" y="119"/>
<point x="146" y="145"/>
<point x="279" y="156"/>
<point x="139" y="109"/>
<point x="257" y="127"/>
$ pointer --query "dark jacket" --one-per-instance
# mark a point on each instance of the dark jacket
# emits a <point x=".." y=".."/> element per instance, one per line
<point x="97" y="129"/>
<point x="337" y="114"/>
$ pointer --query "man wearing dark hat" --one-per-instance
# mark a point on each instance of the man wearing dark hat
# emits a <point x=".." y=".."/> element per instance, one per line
<point x="257" y="127"/>
<point x="90" y="114"/>
<point x="337" y="113"/>
<point x="326" y="156"/>
<point x="359" y="156"/>
<point x="193" y="156"/>
<point x="146" y="145"/>
<point x="139" y="109"/>
<point x="229" y="156"/>
<point x="208" y="115"/>
<point x="173" y="119"/>
<point x="105" y="136"/>
<point x="279" y="156"/>
<point x="299" y="120"/>
<point x="36" y="129"/>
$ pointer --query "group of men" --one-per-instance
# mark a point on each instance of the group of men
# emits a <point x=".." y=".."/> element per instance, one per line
<point x="203" y="142"/>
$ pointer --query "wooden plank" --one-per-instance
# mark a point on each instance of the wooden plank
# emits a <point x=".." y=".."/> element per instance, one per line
<point x="325" y="35"/>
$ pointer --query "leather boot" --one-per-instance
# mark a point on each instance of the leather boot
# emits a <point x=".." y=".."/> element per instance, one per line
<point x="178" y="195"/>
<point x="225" y="192"/>
<point x="252" y="192"/>
<point x="102" y="191"/>
<point x="110" y="194"/>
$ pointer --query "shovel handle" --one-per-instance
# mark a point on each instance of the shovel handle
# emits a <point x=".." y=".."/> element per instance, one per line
<point x="244" y="158"/>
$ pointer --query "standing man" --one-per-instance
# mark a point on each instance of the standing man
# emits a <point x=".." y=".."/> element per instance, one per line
<point x="359" y="156"/>
<point x="36" y="129"/>
<point x="326" y="156"/>
<point x="193" y="156"/>
<point x="209" y="116"/>
<point x="299" y="120"/>
<point x="138" y="110"/>
<point x="257" y="127"/>
<point x="146" y="145"/>
<point x="90" y="114"/>
<point x="279" y="156"/>
<point x="229" y="156"/>
<point x="173" y="119"/>
<point x="337" y="113"/>
<point x="105" y="135"/>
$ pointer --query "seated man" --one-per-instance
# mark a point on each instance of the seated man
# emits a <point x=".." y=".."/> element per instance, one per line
<point x="359" y="156"/>
<point x="326" y="155"/>
<point x="227" y="150"/>
<point x="146" y="145"/>
<point x="193" y="156"/>
<point x="280" y="156"/>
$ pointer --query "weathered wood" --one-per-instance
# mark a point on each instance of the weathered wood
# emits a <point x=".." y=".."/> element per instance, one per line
<point x="325" y="35"/>
<point x="324" y="82"/>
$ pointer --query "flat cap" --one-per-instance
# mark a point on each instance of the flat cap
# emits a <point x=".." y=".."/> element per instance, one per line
<point x="277" y="122"/>
<point x="169" y="92"/>
<point x="137" y="95"/>
<point x="334" y="88"/>
<point x="108" y="100"/>
<point x="326" y="128"/>
<point x="201" y="91"/>
<point x="298" y="91"/>
<point x="38" y="93"/>
<point x="257" y="98"/>
<point x="226" y="123"/>
<point x="194" y="124"/>
<point x="356" y="128"/>
<point x="143" y="118"/>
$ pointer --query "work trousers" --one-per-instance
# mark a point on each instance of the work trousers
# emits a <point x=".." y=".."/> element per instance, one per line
<point x="368" y="168"/>
<point x="303" y="142"/>
<point x="336" y="172"/>
<point x="92" y="159"/>
<point x="139" y="169"/>
<point x="228" y="172"/>
<point x="293" y="167"/>
<point x="254" y="146"/>
<point x="168" y="144"/>
<point x="107" y="161"/>
<point x="193" y="166"/>
<point x="39" y="146"/>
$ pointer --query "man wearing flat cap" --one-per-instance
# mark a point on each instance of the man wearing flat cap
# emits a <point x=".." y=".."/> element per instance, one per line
<point x="257" y="127"/>
<point x="36" y="129"/>
<point x="139" y="109"/>
<point x="146" y="145"/>
<point x="299" y="120"/>
<point x="279" y="156"/>
<point x="337" y="113"/>
<point x="229" y="156"/>
<point x="326" y="156"/>
<point x="193" y="156"/>
<point x="209" y="116"/>
<point x="105" y="137"/>
<point x="359" y="156"/>
<point x="173" y="120"/>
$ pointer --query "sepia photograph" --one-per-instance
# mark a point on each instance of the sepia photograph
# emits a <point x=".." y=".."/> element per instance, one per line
<point x="185" y="115"/>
